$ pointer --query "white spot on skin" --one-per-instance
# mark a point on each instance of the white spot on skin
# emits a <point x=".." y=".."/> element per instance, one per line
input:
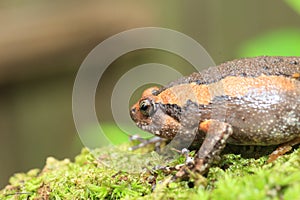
<point x="291" y="119"/>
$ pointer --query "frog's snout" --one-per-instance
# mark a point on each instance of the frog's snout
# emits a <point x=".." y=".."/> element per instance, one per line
<point x="133" y="113"/>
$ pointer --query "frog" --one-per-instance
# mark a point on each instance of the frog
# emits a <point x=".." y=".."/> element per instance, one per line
<point x="246" y="101"/>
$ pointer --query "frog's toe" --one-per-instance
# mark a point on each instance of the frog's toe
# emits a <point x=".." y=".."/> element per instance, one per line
<point x="183" y="173"/>
<point x="190" y="172"/>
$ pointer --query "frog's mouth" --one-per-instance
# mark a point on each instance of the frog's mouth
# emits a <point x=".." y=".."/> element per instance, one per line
<point x="158" y="123"/>
<point x="149" y="126"/>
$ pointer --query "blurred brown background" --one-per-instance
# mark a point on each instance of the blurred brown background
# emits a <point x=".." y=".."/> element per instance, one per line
<point x="43" y="43"/>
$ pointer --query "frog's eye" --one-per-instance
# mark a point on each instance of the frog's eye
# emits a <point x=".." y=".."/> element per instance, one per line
<point x="146" y="107"/>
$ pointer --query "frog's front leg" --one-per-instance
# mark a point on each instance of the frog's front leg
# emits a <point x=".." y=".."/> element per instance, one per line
<point x="217" y="134"/>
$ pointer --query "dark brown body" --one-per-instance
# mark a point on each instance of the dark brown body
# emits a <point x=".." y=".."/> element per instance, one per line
<point x="257" y="98"/>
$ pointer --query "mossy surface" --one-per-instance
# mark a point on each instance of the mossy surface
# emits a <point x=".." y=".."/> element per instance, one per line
<point x="115" y="173"/>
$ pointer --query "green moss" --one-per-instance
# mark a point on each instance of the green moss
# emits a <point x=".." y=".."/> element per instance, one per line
<point x="107" y="174"/>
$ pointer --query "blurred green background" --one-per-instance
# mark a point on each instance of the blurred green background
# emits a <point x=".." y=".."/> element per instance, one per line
<point x="43" y="43"/>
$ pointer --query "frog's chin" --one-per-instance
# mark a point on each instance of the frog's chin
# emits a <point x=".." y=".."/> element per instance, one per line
<point x="149" y="128"/>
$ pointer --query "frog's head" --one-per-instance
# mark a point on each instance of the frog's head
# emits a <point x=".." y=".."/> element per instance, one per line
<point x="150" y="115"/>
